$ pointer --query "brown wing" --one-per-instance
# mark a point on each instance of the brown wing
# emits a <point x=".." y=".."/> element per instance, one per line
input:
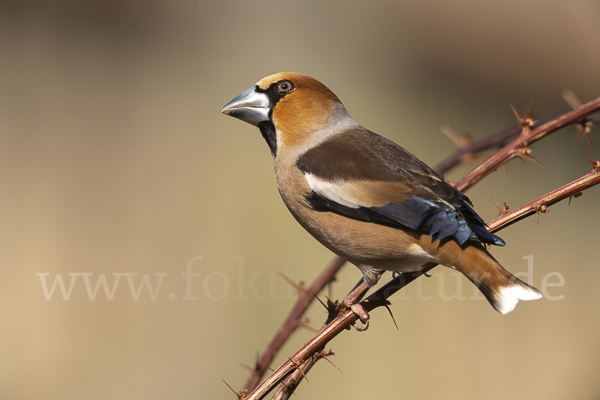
<point x="365" y="176"/>
<point x="363" y="159"/>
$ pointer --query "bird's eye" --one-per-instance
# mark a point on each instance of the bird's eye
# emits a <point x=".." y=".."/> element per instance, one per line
<point x="285" y="86"/>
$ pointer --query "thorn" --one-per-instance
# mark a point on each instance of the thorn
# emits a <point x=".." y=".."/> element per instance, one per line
<point x="530" y="112"/>
<point x="321" y="301"/>
<point x="595" y="164"/>
<point x="462" y="141"/>
<point x="256" y="361"/>
<point x="391" y="315"/>
<point x="525" y="153"/>
<point x="588" y="154"/>
<point x="527" y="122"/>
<point x="516" y="113"/>
<point x="249" y="368"/>
<point x="585" y="125"/>
<point x="239" y="396"/>
<point x="496" y="204"/>
<point x="541" y="208"/>
<point x="331" y="362"/>
<point x="576" y="195"/>
<point x="501" y="211"/>
<point x="586" y="128"/>
<point x="334" y="304"/>
<point x="300" y="287"/>
<point x="297" y="366"/>
<point x="571" y="99"/>
<point x="333" y="309"/>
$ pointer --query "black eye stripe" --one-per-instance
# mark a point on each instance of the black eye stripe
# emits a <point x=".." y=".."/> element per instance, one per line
<point x="275" y="93"/>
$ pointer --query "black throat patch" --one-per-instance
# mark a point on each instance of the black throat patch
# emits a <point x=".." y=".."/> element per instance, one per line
<point x="267" y="129"/>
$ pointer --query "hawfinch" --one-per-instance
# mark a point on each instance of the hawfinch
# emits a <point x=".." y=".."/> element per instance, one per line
<point x="365" y="198"/>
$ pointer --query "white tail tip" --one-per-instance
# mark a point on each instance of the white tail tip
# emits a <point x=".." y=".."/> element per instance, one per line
<point x="509" y="296"/>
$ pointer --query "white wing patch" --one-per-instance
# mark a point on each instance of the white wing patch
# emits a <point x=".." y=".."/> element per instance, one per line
<point x="333" y="191"/>
<point x="417" y="251"/>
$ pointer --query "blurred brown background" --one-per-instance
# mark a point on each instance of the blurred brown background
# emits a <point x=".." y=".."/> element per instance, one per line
<point x="114" y="159"/>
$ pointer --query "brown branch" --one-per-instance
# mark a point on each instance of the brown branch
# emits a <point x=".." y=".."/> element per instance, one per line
<point x="287" y="387"/>
<point x="292" y="322"/>
<point x="504" y="220"/>
<point x="328" y="332"/>
<point x="518" y="147"/>
<point x="466" y="153"/>
<point x="499" y="139"/>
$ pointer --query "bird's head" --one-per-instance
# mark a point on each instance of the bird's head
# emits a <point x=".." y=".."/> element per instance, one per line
<point x="291" y="110"/>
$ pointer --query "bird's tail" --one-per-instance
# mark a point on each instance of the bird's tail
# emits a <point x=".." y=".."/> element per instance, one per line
<point x="501" y="288"/>
<point x="504" y="290"/>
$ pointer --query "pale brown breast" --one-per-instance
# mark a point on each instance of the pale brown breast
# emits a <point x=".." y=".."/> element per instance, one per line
<point x="361" y="243"/>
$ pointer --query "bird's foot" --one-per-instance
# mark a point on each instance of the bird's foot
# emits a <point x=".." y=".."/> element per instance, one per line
<point x="351" y="301"/>
<point x="359" y="327"/>
<point x="362" y="314"/>
<point x="360" y="311"/>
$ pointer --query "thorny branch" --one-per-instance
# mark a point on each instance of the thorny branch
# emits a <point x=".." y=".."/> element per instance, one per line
<point x="469" y="149"/>
<point x="299" y="364"/>
<point x="290" y="383"/>
<point x="519" y="146"/>
<point x="292" y="321"/>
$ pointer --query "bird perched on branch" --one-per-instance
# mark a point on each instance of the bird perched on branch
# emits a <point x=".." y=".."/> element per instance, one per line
<point x="366" y="198"/>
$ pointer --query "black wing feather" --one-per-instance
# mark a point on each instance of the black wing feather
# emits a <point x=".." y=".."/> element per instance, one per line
<point x="435" y="207"/>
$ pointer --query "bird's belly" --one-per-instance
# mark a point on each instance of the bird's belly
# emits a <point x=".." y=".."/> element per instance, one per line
<point x="365" y="243"/>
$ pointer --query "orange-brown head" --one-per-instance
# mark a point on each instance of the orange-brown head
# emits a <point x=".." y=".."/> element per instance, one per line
<point x="291" y="110"/>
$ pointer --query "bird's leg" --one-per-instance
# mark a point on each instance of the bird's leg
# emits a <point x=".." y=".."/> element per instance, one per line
<point x="353" y="298"/>
<point x="363" y="293"/>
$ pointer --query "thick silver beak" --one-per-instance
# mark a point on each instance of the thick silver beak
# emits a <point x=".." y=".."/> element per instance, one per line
<point x="250" y="106"/>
